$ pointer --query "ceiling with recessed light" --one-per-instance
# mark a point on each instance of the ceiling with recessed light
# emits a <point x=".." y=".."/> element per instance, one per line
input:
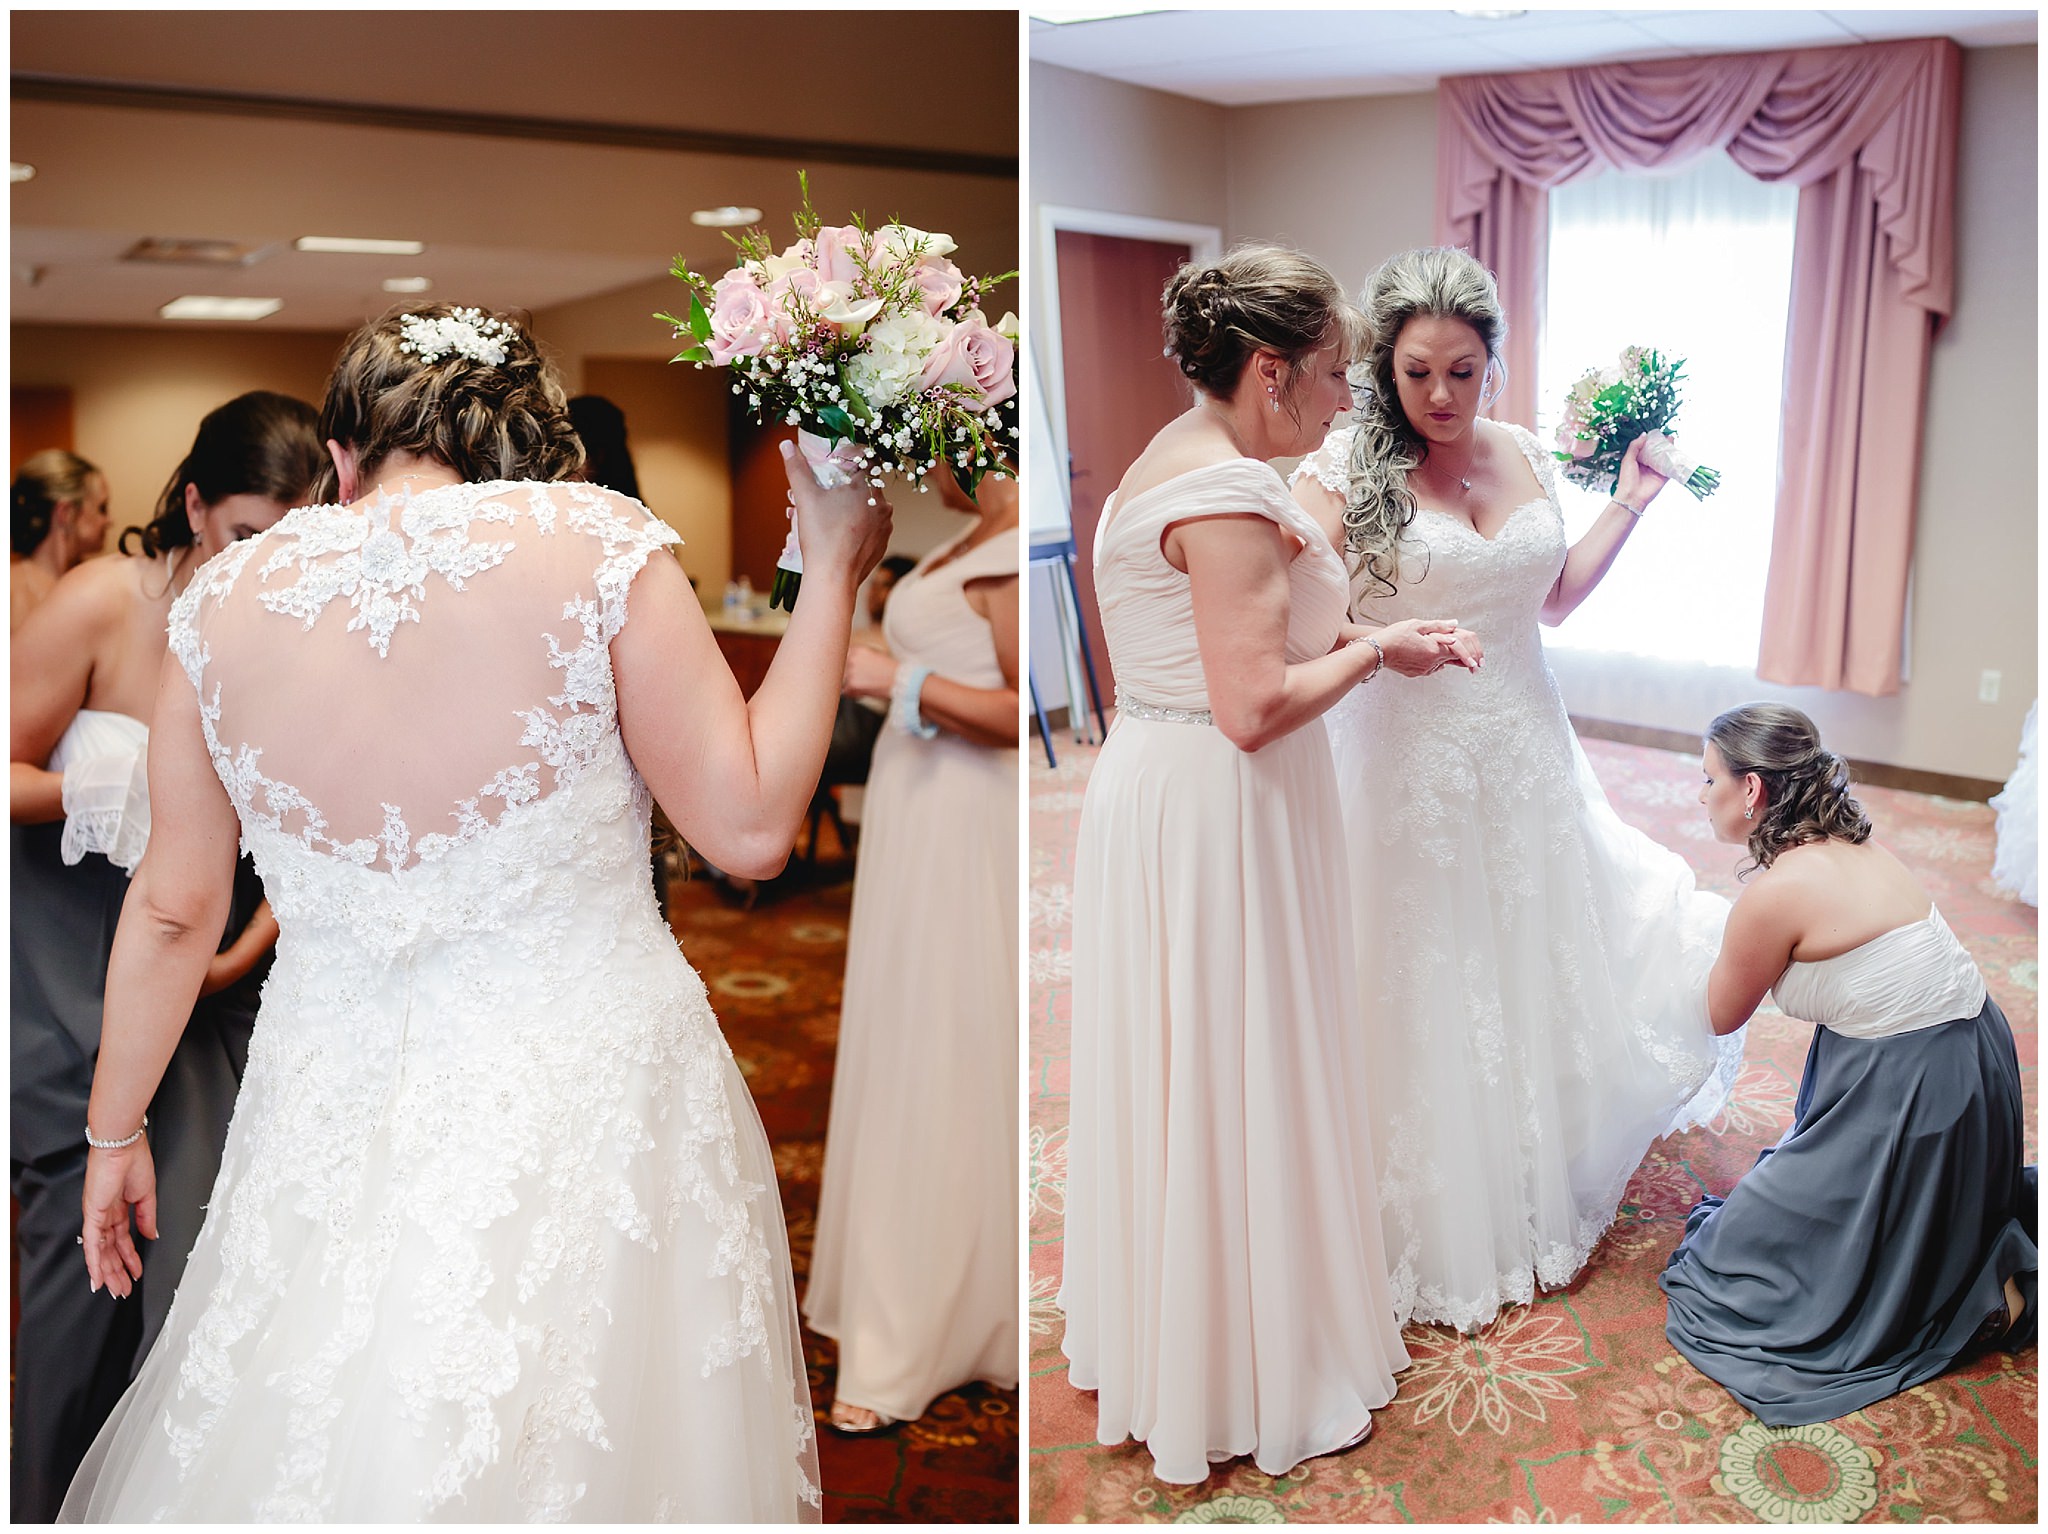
<point x="541" y="158"/>
<point x="1250" y="57"/>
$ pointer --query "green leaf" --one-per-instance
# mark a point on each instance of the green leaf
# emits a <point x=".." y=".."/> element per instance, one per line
<point x="967" y="477"/>
<point x="700" y="318"/>
<point x="837" y="423"/>
<point x="693" y="354"/>
<point x="854" y="402"/>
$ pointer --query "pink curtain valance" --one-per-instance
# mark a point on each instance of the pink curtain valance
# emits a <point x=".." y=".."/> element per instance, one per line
<point x="1868" y="134"/>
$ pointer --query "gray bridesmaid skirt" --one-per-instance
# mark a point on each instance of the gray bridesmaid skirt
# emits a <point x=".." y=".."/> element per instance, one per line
<point x="1863" y="1254"/>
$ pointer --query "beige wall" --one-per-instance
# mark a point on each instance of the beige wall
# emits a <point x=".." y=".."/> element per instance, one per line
<point x="1352" y="181"/>
<point x="139" y="394"/>
<point x="1115" y="148"/>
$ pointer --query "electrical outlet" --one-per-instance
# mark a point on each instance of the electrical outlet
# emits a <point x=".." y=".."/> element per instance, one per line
<point x="1987" y="687"/>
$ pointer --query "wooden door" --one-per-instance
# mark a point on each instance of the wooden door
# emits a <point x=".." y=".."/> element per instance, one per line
<point x="1120" y="388"/>
<point x="38" y="418"/>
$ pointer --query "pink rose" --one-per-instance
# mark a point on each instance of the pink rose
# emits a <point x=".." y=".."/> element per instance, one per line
<point x="834" y="251"/>
<point x="801" y="281"/>
<point x="974" y="355"/>
<point x="1583" y="447"/>
<point x="742" y="323"/>
<point x="940" y="281"/>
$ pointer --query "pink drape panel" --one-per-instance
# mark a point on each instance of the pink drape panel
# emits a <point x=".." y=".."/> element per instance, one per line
<point x="1868" y="134"/>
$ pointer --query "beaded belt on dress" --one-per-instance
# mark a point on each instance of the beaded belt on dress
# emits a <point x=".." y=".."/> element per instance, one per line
<point x="1138" y="708"/>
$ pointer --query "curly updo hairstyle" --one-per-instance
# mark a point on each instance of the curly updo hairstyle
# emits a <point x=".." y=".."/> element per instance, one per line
<point x="1438" y="282"/>
<point x="258" y="443"/>
<point x="486" y="421"/>
<point x="45" y="481"/>
<point x="1257" y="298"/>
<point x="1806" y="785"/>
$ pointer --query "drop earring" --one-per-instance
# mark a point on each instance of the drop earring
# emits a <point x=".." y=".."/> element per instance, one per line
<point x="1749" y="814"/>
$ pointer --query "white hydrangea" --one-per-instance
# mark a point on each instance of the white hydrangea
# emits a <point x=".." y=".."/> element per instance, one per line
<point x="893" y="359"/>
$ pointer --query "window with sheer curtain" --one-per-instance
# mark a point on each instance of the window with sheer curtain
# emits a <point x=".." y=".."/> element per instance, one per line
<point x="1698" y="264"/>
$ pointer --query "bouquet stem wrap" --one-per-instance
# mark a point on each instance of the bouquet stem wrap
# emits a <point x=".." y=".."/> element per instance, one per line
<point x="1662" y="454"/>
<point x="832" y="465"/>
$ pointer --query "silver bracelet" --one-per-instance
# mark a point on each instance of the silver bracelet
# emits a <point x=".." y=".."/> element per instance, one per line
<point x="1634" y="511"/>
<point x="1379" y="665"/>
<point x="98" y="1144"/>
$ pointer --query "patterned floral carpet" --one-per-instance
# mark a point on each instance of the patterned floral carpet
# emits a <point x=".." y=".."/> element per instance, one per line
<point x="774" y="976"/>
<point x="1575" y="1409"/>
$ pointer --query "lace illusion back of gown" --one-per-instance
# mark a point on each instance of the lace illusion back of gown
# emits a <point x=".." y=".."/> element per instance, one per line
<point x="496" y="1216"/>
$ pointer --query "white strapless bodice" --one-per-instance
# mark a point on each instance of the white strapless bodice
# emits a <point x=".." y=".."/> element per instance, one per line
<point x="1909" y="978"/>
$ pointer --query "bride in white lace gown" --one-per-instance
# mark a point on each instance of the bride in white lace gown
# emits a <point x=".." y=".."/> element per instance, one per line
<point x="496" y="1234"/>
<point x="1532" y="970"/>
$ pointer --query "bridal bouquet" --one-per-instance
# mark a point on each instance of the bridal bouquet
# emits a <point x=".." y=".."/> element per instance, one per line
<point x="1610" y="407"/>
<point x="870" y="342"/>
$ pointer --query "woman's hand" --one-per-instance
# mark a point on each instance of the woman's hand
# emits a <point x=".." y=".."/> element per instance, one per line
<point x="1418" y="646"/>
<point x="843" y="532"/>
<point x="116" y="1183"/>
<point x="1637" y="484"/>
<point x="870" y="673"/>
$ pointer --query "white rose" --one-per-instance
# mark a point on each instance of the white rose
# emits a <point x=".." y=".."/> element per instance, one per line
<point x="775" y="266"/>
<point x="837" y="305"/>
<point x="1009" y="327"/>
<point x="899" y="240"/>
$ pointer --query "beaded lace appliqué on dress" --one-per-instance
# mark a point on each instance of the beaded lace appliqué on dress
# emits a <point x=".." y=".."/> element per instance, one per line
<point x="483" y="1079"/>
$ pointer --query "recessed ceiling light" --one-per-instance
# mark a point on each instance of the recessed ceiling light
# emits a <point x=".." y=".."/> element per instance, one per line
<point x="407" y="284"/>
<point x="183" y="252"/>
<point x="18" y="172"/>
<point x="724" y="218"/>
<point x="335" y="245"/>
<point x="193" y="307"/>
<point x="1489" y="15"/>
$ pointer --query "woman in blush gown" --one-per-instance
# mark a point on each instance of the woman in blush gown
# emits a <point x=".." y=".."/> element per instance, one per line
<point x="85" y="668"/>
<point x="496" y="1234"/>
<point x="1891" y="1232"/>
<point x="1225" y="1287"/>
<point x="1529" y="967"/>
<point x="915" y="1267"/>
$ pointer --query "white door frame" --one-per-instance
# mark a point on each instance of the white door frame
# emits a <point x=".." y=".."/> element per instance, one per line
<point x="1205" y="243"/>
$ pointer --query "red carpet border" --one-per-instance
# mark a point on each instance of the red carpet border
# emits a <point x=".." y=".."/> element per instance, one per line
<point x="774" y="976"/>
<point x="1575" y="1409"/>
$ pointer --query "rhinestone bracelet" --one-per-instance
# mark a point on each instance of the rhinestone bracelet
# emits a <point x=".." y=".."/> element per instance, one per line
<point x="98" y="1144"/>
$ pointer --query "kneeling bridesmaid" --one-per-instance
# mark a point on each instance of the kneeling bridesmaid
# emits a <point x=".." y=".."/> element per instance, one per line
<point x="1890" y="1232"/>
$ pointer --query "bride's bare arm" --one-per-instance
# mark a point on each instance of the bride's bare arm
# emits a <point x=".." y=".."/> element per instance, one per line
<point x="736" y="774"/>
<point x="1589" y="560"/>
<point x="171" y="923"/>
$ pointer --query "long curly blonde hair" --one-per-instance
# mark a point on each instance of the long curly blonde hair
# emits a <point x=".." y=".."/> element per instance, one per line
<point x="1385" y="448"/>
